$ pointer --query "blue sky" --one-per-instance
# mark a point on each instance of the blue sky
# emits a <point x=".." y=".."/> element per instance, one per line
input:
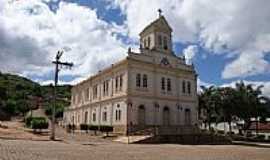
<point x="225" y="40"/>
<point x="209" y="68"/>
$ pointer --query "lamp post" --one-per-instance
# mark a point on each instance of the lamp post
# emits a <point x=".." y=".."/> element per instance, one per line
<point x="57" y="63"/>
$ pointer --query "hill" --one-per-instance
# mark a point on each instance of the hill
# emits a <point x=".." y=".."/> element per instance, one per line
<point x="18" y="95"/>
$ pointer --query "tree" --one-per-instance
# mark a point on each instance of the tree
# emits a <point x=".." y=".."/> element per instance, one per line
<point x="228" y="104"/>
<point x="3" y="96"/>
<point x="249" y="102"/>
<point x="209" y="104"/>
<point x="10" y="107"/>
<point x="58" y="110"/>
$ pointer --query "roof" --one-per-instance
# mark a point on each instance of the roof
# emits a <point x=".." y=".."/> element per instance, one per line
<point x="103" y="71"/>
<point x="160" y="20"/>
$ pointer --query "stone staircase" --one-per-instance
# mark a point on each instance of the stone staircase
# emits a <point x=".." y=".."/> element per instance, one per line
<point x="174" y="134"/>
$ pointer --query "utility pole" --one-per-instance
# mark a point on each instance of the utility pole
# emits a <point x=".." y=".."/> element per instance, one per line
<point x="57" y="63"/>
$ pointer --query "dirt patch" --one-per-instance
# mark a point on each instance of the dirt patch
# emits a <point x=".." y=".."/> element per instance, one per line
<point x="16" y="130"/>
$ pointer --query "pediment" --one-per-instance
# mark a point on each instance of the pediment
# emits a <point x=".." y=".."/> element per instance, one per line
<point x="160" y="24"/>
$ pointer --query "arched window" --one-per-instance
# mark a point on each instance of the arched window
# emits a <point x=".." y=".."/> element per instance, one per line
<point x="85" y="117"/>
<point x="118" y="113"/>
<point x="138" y="80"/>
<point x="94" y="117"/>
<point x="163" y="83"/>
<point x="149" y="41"/>
<point x="189" y="87"/>
<point x="116" y="83"/>
<point x="187" y="116"/>
<point x="159" y="40"/>
<point x="145" y="80"/>
<point x="121" y="81"/>
<point x="104" y="88"/>
<point x="144" y="43"/>
<point x="104" y="116"/>
<point x="165" y="43"/>
<point x="169" y="84"/>
<point x="184" y="87"/>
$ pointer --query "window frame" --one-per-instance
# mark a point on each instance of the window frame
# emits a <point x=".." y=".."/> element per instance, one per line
<point x="145" y="81"/>
<point x="138" y="80"/>
<point x="169" y="85"/>
<point x="188" y="87"/>
<point x="163" y="84"/>
<point x="183" y="86"/>
<point x="165" y="43"/>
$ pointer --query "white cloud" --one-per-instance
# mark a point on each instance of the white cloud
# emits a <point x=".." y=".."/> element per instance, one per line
<point x="265" y="89"/>
<point x="31" y="34"/>
<point x="190" y="53"/>
<point x="265" y="84"/>
<point x="202" y="83"/>
<point x="241" y="28"/>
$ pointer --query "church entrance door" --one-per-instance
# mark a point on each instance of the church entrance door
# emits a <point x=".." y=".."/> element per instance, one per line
<point x="187" y="117"/>
<point x="166" y="116"/>
<point x="141" y="116"/>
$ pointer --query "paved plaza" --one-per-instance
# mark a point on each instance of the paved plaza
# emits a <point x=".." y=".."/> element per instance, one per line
<point x="62" y="150"/>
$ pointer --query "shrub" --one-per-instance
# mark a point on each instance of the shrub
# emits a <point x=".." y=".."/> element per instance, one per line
<point x="84" y="127"/>
<point x="230" y="133"/>
<point x="92" y="127"/>
<point x="106" y="129"/>
<point x="70" y="127"/>
<point x="260" y="137"/>
<point x="39" y="123"/>
<point x="28" y="122"/>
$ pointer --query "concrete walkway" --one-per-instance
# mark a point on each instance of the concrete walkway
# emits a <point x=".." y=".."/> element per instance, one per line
<point x="130" y="139"/>
<point x="255" y="144"/>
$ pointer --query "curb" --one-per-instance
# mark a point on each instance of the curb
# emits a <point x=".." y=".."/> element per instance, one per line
<point x="262" y="145"/>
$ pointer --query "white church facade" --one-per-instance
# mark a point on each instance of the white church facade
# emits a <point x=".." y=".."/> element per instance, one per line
<point x="151" y="88"/>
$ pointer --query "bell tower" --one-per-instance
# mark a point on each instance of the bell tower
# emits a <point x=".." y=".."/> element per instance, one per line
<point x="157" y="35"/>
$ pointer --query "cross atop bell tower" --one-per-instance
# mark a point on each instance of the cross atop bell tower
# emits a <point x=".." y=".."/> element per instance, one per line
<point x="159" y="12"/>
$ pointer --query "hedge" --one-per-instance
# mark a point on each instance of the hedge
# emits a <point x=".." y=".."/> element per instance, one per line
<point x="102" y="128"/>
<point x="28" y="122"/>
<point x="39" y="123"/>
<point x="84" y="127"/>
<point x="105" y="129"/>
<point x="92" y="127"/>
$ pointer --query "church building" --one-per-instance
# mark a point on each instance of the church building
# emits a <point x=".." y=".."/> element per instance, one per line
<point x="153" y="88"/>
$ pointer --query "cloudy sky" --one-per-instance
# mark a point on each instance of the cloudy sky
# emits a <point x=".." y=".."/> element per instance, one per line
<point x="226" y="40"/>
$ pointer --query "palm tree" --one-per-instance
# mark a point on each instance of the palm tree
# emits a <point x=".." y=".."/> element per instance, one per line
<point x="208" y="104"/>
<point x="228" y="104"/>
<point x="248" y="101"/>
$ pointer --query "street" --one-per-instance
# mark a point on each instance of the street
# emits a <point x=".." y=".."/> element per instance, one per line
<point x="70" y="150"/>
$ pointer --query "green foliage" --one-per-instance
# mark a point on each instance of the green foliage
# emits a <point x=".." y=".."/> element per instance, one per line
<point x="58" y="110"/>
<point x="105" y="129"/>
<point x="39" y="123"/>
<point x="101" y="128"/>
<point x="18" y="95"/>
<point x="28" y="121"/>
<point x="226" y="103"/>
<point x="71" y="126"/>
<point x="10" y="106"/>
<point x="92" y="127"/>
<point x="260" y="137"/>
<point x="84" y="127"/>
